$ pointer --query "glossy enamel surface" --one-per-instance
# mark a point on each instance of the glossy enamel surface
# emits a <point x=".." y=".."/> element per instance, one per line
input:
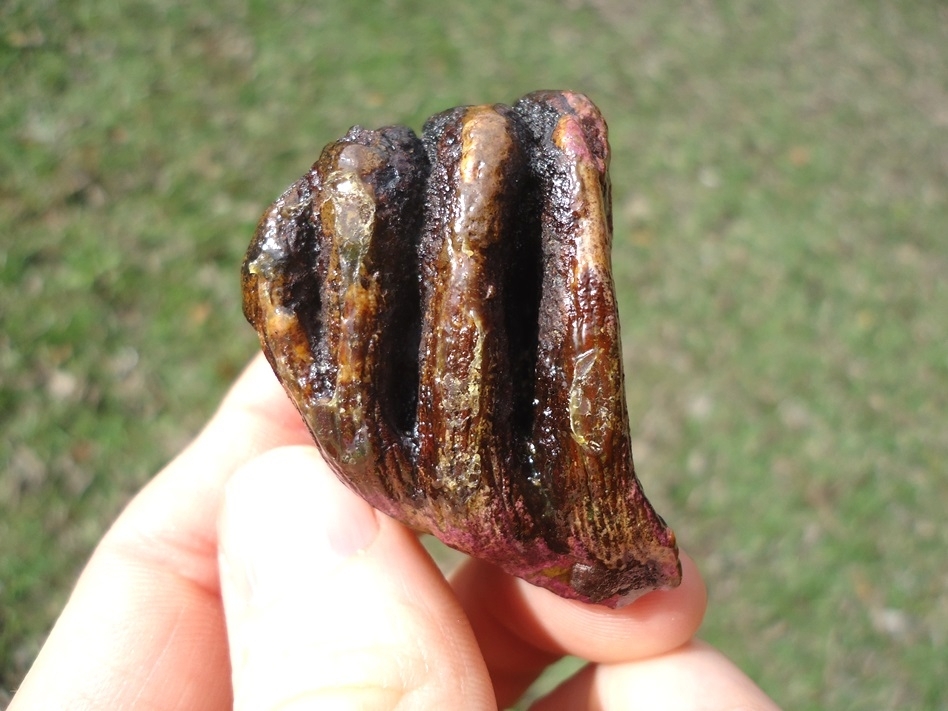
<point x="442" y="312"/>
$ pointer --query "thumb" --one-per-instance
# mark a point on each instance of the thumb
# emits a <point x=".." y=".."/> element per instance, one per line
<point x="329" y="604"/>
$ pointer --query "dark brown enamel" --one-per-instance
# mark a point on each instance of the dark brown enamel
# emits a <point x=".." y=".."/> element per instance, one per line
<point x="442" y="313"/>
<point x="331" y="284"/>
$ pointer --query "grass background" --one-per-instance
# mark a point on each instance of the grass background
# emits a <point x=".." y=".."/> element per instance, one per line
<point x="781" y="196"/>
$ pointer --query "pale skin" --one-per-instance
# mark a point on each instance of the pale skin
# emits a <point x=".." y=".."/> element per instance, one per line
<point x="245" y="576"/>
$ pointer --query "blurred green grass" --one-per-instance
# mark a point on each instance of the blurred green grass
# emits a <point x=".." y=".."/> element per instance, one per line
<point x="781" y="196"/>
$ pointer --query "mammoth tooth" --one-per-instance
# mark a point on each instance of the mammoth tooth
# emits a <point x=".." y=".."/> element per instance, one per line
<point x="442" y="313"/>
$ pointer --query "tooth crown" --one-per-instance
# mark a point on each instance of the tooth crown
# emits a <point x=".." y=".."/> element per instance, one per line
<point x="442" y="313"/>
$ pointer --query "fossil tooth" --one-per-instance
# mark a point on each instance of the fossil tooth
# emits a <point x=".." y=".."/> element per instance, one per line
<point x="442" y="312"/>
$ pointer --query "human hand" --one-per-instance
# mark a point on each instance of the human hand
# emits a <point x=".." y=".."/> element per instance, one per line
<point x="246" y="576"/>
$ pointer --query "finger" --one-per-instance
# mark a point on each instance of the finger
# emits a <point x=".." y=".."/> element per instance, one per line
<point x="330" y="604"/>
<point x="179" y="508"/>
<point x="522" y="629"/>
<point x="144" y="627"/>
<point x="695" y="677"/>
